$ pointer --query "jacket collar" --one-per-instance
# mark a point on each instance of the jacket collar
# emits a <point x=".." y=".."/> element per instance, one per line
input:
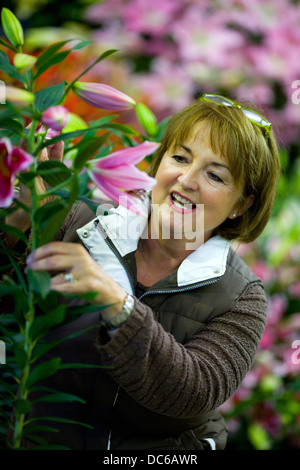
<point x="124" y="228"/>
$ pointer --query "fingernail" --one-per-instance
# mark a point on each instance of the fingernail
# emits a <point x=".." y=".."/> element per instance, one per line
<point x="29" y="258"/>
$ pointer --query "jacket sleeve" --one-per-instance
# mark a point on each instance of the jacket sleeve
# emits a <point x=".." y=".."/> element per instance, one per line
<point x="185" y="380"/>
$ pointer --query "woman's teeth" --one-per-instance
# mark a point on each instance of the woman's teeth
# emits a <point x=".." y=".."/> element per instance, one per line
<point x="180" y="201"/>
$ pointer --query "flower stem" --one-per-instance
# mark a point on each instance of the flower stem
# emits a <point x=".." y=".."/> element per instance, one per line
<point x="23" y="391"/>
<point x="103" y="56"/>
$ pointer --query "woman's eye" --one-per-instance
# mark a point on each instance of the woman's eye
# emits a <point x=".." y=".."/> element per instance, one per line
<point x="179" y="159"/>
<point x="215" y="177"/>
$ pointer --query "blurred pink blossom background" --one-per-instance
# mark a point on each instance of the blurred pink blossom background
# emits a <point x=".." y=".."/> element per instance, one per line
<point x="246" y="49"/>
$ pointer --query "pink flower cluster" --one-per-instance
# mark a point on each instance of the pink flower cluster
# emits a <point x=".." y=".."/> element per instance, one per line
<point x="268" y="395"/>
<point x="249" y="49"/>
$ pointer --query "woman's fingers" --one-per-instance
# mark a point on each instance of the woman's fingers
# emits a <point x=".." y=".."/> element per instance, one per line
<point x="52" y="263"/>
<point x="43" y="155"/>
<point x="56" y="257"/>
<point x="56" y="151"/>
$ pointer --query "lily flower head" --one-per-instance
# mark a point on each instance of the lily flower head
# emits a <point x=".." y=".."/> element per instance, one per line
<point x="12" y="160"/>
<point x="103" y="96"/>
<point x="117" y="176"/>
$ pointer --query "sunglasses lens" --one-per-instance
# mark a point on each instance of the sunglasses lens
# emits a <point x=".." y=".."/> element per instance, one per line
<point x="251" y="115"/>
<point x="257" y="118"/>
<point x="219" y="99"/>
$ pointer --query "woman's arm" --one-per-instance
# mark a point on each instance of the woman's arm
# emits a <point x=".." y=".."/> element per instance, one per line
<point x="185" y="380"/>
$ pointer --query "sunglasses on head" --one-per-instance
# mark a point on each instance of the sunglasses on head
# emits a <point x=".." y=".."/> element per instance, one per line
<point x="253" y="116"/>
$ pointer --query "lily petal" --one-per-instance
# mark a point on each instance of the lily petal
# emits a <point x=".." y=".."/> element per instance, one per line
<point x="20" y="160"/>
<point x="12" y="160"/>
<point x="130" y="201"/>
<point x="130" y="178"/>
<point x="129" y="155"/>
<point x="6" y="191"/>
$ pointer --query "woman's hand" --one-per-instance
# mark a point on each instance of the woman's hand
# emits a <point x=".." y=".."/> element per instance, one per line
<point x="60" y="258"/>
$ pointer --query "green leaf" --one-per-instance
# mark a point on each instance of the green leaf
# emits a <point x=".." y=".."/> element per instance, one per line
<point x="44" y="323"/>
<point x="88" y="150"/>
<point x="82" y="44"/>
<point x="27" y="177"/>
<point x="12" y="125"/>
<point x="44" y="214"/>
<point x="42" y="371"/>
<point x="50" y="96"/>
<point x="20" y="355"/>
<point x="99" y="59"/>
<point x="51" y="227"/>
<point x="6" y="289"/>
<point x="59" y="397"/>
<point x="63" y="420"/>
<point x="22" y="406"/>
<point x="120" y="127"/>
<point x="54" y="172"/>
<point x="68" y="136"/>
<point x="8" y="68"/>
<point x="39" y="282"/>
<point x="16" y="232"/>
<point x="4" y="43"/>
<point x="37" y="428"/>
<point x="49" y="57"/>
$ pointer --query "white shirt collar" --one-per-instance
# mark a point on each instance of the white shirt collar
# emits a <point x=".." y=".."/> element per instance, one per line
<point x="124" y="229"/>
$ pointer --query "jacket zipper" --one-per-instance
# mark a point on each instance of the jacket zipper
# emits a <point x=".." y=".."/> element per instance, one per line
<point x="184" y="289"/>
<point x="116" y="253"/>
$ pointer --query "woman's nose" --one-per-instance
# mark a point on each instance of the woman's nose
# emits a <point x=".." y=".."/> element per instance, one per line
<point x="188" y="180"/>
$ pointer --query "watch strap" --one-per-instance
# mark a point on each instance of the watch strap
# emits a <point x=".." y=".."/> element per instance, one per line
<point x="122" y="317"/>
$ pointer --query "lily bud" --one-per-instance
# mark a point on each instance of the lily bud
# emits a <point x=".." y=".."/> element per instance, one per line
<point x="56" y="117"/>
<point x="24" y="62"/>
<point x="18" y="96"/>
<point x="146" y="118"/>
<point x="103" y="96"/>
<point x="12" y="27"/>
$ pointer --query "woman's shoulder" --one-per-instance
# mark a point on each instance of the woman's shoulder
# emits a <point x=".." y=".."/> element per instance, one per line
<point x="79" y="215"/>
<point x="238" y="268"/>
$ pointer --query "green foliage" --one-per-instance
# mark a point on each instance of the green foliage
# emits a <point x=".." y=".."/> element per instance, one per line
<point x="30" y="310"/>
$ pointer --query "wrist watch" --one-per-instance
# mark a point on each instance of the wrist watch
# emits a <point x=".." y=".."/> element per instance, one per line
<point x="122" y="317"/>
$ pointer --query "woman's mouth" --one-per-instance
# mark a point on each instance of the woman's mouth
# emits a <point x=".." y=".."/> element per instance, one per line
<point x="180" y="203"/>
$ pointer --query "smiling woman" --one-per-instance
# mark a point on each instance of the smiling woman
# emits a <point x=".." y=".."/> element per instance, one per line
<point x="180" y="325"/>
<point x="242" y="147"/>
<point x="197" y="176"/>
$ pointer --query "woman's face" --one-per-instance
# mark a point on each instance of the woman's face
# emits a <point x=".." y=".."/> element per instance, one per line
<point x="194" y="184"/>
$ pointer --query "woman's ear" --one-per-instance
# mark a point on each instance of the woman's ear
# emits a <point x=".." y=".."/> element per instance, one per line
<point x="242" y="207"/>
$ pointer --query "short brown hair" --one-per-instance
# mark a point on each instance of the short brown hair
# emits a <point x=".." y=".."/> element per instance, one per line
<point x="253" y="160"/>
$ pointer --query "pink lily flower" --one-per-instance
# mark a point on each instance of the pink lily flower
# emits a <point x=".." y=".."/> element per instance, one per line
<point x="116" y="176"/>
<point x="12" y="160"/>
<point x="56" y="117"/>
<point x="103" y="96"/>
